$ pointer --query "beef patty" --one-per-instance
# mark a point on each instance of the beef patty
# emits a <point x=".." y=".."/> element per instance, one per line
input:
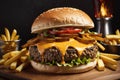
<point x="54" y="54"/>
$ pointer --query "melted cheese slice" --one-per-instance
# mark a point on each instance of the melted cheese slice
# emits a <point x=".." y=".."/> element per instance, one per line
<point x="62" y="46"/>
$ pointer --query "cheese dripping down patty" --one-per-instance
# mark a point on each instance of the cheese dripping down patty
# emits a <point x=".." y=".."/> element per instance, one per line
<point x="62" y="46"/>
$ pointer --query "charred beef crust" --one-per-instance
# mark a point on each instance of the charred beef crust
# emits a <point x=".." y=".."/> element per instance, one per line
<point x="90" y="52"/>
<point x="71" y="53"/>
<point x="54" y="54"/>
<point x="34" y="54"/>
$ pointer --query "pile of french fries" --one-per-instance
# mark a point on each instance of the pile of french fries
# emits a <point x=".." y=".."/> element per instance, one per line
<point x="16" y="60"/>
<point x="113" y="39"/>
<point x="107" y="60"/>
<point x="9" y="40"/>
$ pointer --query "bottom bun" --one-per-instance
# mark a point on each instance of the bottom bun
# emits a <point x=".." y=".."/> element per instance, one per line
<point x="62" y="70"/>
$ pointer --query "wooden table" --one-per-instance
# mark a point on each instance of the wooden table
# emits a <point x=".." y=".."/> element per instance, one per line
<point x="94" y="74"/>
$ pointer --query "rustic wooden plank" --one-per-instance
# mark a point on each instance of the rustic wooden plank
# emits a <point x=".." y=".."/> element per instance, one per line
<point x="30" y="73"/>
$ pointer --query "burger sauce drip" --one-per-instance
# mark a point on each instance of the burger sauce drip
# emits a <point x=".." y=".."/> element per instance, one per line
<point x="62" y="46"/>
<point x="62" y="62"/>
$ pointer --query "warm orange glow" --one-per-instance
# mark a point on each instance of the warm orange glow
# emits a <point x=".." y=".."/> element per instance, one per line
<point x="104" y="11"/>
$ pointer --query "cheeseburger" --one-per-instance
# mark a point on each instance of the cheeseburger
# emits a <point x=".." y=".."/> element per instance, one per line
<point x="59" y="46"/>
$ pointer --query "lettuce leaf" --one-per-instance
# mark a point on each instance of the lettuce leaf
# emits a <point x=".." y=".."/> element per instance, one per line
<point x="74" y="62"/>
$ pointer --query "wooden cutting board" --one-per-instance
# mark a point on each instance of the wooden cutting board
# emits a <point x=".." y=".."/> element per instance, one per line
<point x="94" y="74"/>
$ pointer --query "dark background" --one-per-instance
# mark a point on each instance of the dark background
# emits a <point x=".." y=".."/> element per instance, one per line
<point x="20" y="14"/>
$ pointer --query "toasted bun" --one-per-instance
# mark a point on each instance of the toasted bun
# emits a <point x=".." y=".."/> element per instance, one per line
<point x="61" y="17"/>
<point x="62" y="70"/>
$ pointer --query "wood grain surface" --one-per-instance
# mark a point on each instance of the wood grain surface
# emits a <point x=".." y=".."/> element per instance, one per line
<point x="94" y="74"/>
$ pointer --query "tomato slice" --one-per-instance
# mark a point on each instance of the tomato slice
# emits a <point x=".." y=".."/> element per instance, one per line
<point x="69" y="31"/>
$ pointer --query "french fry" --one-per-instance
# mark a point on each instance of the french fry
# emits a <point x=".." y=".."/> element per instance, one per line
<point x="117" y="32"/>
<point x="21" y="66"/>
<point x="30" y="42"/>
<point x="14" y="53"/>
<point x="110" y="42"/>
<point x="23" y="58"/>
<point x="100" y="46"/>
<point x="7" y="33"/>
<point x="13" y="65"/>
<point x="114" y="42"/>
<point x="85" y="40"/>
<point x="113" y="56"/>
<point x="23" y="51"/>
<point x="9" y="54"/>
<point x="3" y="37"/>
<point x="2" y="61"/>
<point x="108" y="60"/>
<point x="16" y="37"/>
<point x="113" y="67"/>
<point x="113" y="36"/>
<point x="98" y="38"/>
<point x="100" y="65"/>
<point x="113" y="39"/>
<point x="13" y="34"/>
